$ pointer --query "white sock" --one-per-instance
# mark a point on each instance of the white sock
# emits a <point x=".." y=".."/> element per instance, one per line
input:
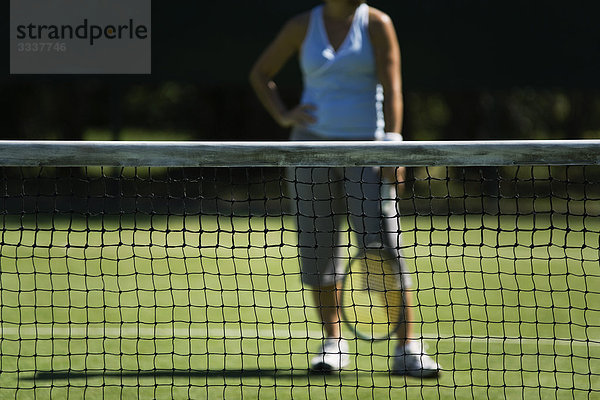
<point x="410" y="347"/>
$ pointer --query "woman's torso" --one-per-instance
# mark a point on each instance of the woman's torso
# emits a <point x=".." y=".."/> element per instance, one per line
<point x="342" y="83"/>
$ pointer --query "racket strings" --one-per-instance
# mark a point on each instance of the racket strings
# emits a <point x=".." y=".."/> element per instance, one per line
<point x="372" y="299"/>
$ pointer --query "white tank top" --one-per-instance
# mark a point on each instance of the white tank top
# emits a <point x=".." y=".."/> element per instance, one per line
<point x="342" y="84"/>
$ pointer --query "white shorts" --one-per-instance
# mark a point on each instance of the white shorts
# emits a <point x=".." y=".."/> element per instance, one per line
<point x="326" y="200"/>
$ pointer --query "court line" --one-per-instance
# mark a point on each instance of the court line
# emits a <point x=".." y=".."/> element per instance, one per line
<point x="127" y="332"/>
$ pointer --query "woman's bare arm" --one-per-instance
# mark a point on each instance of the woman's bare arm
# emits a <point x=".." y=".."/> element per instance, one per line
<point x="388" y="67"/>
<point x="284" y="46"/>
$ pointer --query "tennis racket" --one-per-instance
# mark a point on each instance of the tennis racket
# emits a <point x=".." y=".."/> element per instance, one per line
<point x="372" y="302"/>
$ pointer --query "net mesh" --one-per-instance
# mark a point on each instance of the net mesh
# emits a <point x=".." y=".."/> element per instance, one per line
<point x="185" y="283"/>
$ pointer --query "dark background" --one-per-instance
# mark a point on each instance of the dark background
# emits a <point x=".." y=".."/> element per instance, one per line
<point x="472" y="69"/>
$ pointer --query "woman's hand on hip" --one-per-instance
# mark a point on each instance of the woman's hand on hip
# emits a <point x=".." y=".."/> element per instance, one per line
<point x="302" y="115"/>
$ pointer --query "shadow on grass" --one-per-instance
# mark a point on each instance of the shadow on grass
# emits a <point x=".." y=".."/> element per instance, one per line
<point x="176" y="373"/>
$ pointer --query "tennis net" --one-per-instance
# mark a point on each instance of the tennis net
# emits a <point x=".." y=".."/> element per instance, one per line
<point x="172" y="270"/>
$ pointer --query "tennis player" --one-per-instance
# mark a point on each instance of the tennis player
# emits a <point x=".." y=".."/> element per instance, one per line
<point x="349" y="58"/>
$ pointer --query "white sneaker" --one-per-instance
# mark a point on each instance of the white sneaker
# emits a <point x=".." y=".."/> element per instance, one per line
<point x="333" y="356"/>
<point x="412" y="360"/>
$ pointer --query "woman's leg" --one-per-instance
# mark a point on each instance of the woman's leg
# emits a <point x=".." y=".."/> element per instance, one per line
<point x="317" y="194"/>
<point x="328" y="301"/>
<point x="318" y="197"/>
<point x="374" y="218"/>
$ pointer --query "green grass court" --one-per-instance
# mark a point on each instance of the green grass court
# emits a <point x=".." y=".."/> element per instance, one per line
<point x="200" y="307"/>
